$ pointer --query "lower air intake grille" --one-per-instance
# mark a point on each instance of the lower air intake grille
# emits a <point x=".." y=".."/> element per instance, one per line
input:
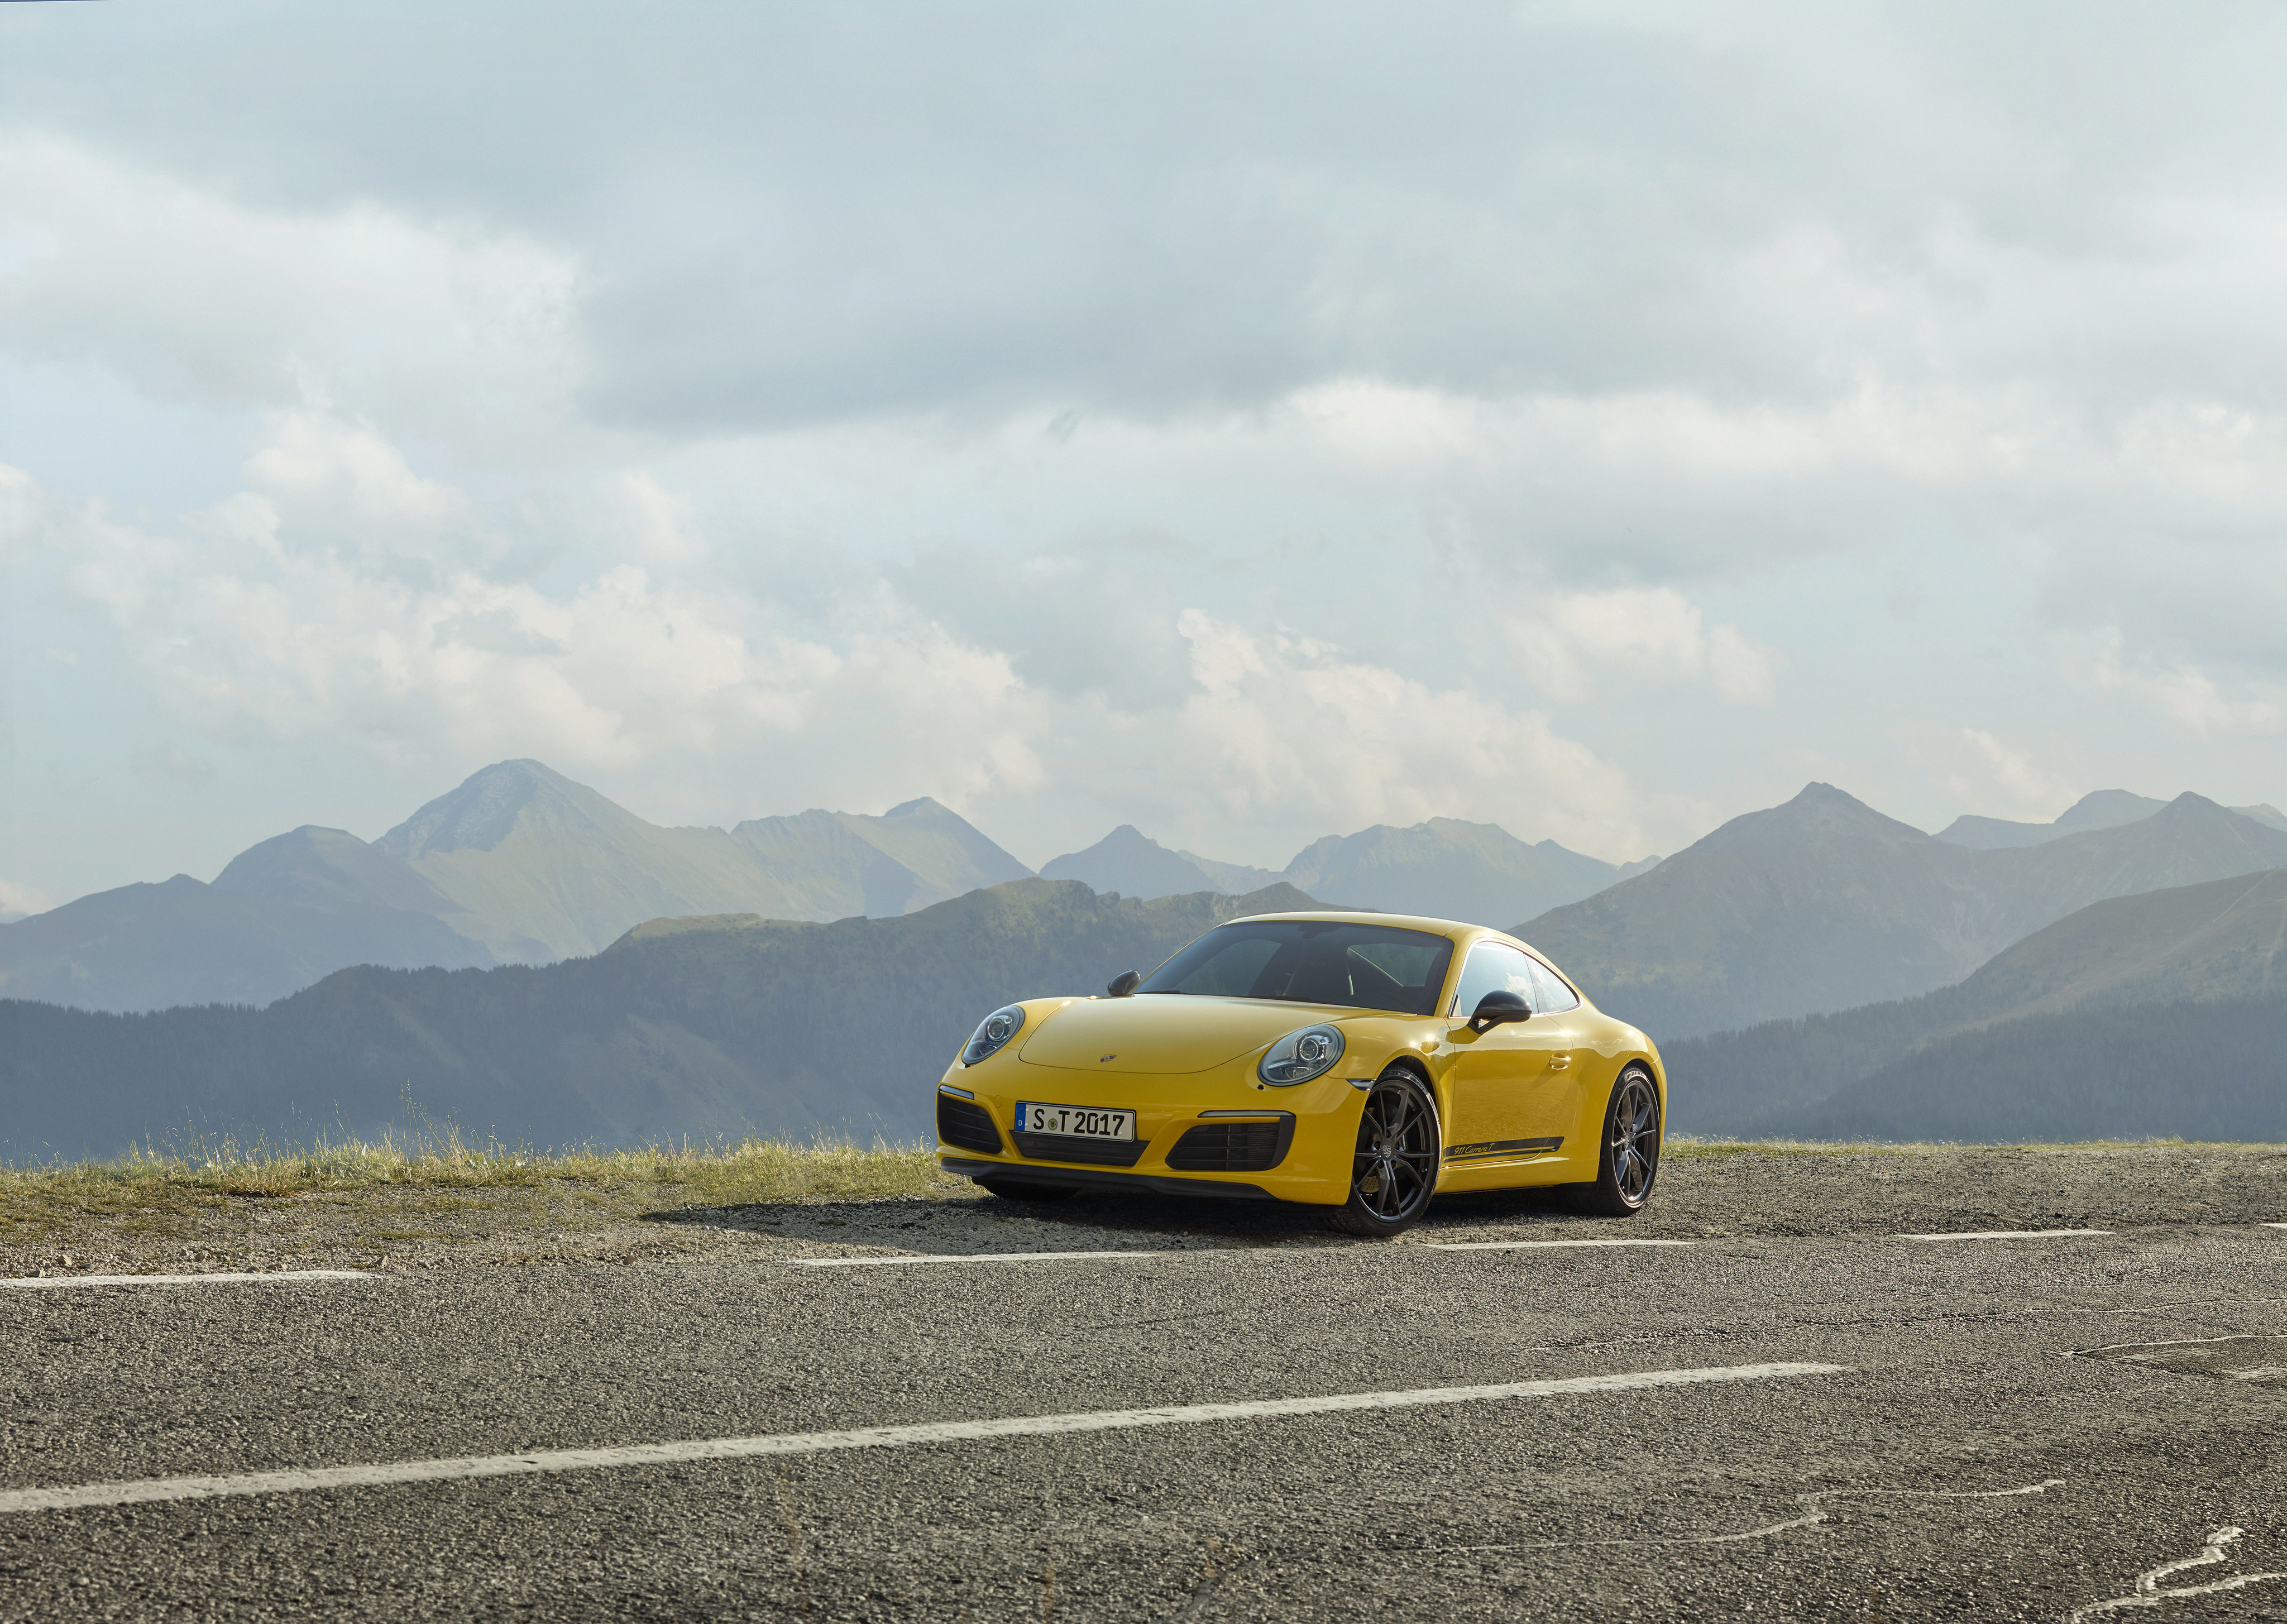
<point x="1072" y="1147"/>
<point x="964" y="1122"/>
<point x="1254" y="1146"/>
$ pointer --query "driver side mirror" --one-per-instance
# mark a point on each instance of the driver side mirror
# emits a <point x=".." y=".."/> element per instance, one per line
<point x="1124" y="986"/>
<point x="1496" y="1007"/>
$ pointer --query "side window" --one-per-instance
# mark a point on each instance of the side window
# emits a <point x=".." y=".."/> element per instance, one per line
<point x="1493" y="968"/>
<point x="1550" y="994"/>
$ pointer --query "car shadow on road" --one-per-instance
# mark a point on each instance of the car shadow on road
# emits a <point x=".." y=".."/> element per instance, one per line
<point x="970" y="1226"/>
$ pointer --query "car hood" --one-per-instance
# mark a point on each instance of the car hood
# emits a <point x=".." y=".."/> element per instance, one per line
<point x="1166" y="1033"/>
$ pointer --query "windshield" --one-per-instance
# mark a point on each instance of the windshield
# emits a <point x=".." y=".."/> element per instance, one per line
<point x="1309" y="960"/>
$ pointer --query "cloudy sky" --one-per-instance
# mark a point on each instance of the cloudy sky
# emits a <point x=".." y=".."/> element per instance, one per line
<point x="1247" y="422"/>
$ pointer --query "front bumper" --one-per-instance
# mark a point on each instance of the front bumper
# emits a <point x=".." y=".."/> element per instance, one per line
<point x="1312" y="1131"/>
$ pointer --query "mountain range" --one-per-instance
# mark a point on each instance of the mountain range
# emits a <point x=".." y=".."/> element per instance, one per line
<point x="1978" y="989"/>
<point x="2160" y="1013"/>
<point x="2106" y="809"/>
<point x="521" y="865"/>
<point x="518" y="864"/>
<point x="1823" y="903"/>
<point x="722" y="1026"/>
<point x="1444" y="868"/>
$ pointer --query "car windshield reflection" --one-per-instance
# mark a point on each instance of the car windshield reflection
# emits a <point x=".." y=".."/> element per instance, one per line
<point x="1317" y="961"/>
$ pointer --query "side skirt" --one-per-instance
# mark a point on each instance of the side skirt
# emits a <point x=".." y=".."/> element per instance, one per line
<point x="1503" y="1150"/>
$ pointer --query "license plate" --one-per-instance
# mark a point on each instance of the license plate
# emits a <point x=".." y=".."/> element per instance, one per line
<point x="1080" y="1121"/>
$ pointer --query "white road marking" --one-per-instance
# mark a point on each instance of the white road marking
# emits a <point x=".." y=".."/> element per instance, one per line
<point x="2268" y="1224"/>
<point x="2006" y="1234"/>
<point x="37" y="1282"/>
<point x="2149" y="1593"/>
<point x="1521" y="1246"/>
<point x="979" y="1257"/>
<point x="150" y="1489"/>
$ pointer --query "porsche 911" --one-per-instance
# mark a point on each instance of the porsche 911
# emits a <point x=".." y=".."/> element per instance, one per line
<point x="1358" y="1063"/>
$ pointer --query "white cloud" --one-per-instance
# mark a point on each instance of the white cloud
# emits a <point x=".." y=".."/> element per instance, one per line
<point x="2007" y="781"/>
<point x="1285" y="731"/>
<point x="17" y="900"/>
<point x="337" y="485"/>
<point x="193" y="297"/>
<point x="21" y="506"/>
<point x="346" y="598"/>
<point x="2188" y="695"/>
<point x="1632" y="637"/>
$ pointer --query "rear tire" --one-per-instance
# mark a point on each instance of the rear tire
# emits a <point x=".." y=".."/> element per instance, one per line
<point x="1628" y="1165"/>
<point x="1019" y="1190"/>
<point x="1394" y="1171"/>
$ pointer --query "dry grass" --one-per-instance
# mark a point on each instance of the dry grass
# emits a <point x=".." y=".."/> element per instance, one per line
<point x="754" y="1171"/>
<point x="218" y="1202"/>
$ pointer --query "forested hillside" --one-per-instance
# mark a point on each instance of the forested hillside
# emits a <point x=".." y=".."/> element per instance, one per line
<point x="2188" y="947"/>
<point x="2187" y="1070"/>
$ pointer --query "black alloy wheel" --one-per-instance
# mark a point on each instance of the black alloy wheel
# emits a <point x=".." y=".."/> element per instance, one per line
<point x="1628" y="1163"/>
<point x="1394" y="1171"/>
<point x="1024" y="1190"/>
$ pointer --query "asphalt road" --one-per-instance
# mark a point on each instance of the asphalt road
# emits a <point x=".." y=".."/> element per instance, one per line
<point x="1957" y="1463"/>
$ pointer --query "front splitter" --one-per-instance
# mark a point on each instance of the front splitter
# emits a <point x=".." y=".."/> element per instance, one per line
<point x="1092" y="1178"/>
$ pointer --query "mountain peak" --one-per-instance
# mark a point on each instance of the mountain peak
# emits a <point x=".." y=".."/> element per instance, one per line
<point x="2190" y="805"/>
<point x="1132" y="863"/>
<point x="1818" y="794"/>
<point x="2107" y="809"/>
<point x="920" y="806"/>
<point x="1817" y="810"/>
<point x="1448" y="869"/>
<point x="490" y="802"/>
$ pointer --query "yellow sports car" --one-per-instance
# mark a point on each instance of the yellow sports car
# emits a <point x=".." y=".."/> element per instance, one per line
<point x="1357" y="1062"/>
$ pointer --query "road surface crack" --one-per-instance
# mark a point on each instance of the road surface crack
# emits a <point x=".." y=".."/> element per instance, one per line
<point x="1814" y="1511"/>
<point x="2148" y="1592"/>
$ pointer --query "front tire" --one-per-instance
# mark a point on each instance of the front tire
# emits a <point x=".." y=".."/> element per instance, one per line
<point x="1628" y="1165"/>
<point x="1393" y="1170"/>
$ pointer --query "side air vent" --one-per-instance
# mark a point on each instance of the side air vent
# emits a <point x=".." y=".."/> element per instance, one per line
<point x="965" y="1123"/>
<point x="1254" y="1144"/>
<point x="1073" y="1147"/>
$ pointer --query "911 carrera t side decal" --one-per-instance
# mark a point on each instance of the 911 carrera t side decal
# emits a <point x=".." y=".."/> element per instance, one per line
<point x="1490" y="1149"/>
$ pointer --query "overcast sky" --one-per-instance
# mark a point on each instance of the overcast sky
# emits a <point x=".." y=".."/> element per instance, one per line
<point x="1248" y="421"/>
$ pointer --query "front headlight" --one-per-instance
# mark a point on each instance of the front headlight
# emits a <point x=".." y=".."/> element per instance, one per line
<point x="992" y="1033"/>
<point x="1301" y="1056"/>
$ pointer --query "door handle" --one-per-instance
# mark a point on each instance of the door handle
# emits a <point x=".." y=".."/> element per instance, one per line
<point x="1557" y="1063"/>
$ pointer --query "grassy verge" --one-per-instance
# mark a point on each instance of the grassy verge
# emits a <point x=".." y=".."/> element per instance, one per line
<point x="210" y="1204"/>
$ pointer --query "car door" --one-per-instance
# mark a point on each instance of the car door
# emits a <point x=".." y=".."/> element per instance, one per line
<point x="1508" y="1085"/>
